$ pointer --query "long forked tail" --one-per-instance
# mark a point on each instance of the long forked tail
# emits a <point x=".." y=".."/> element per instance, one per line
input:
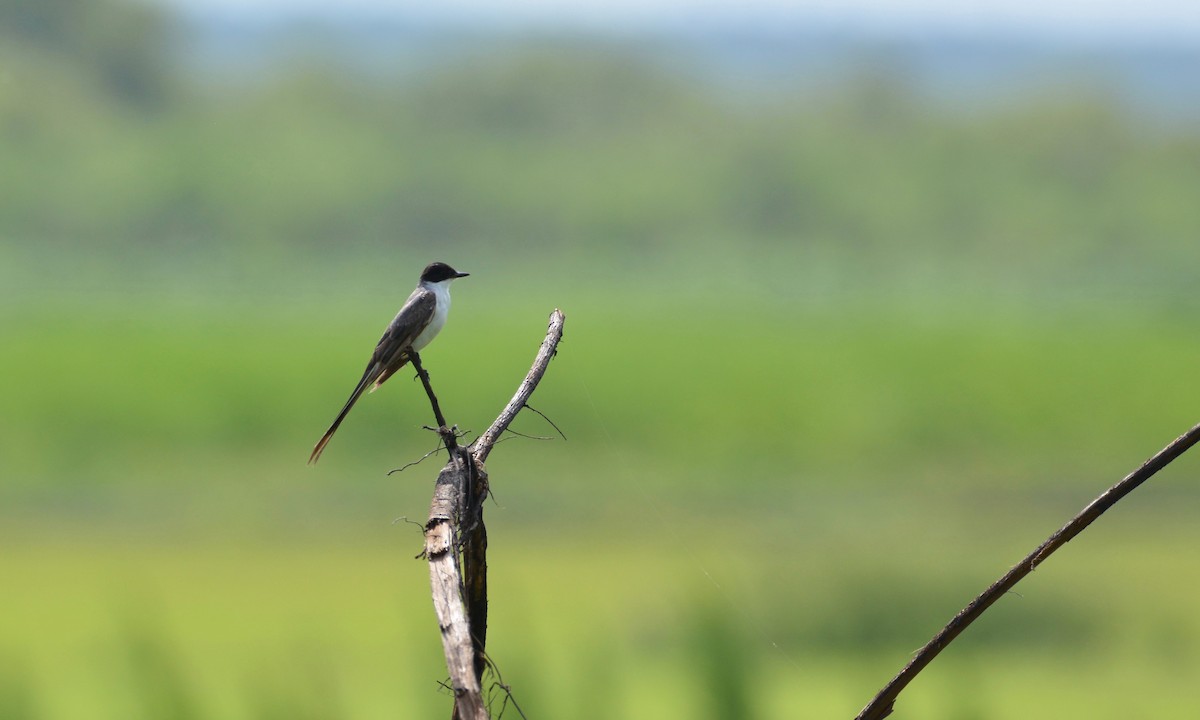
<point x="367" y="379"/>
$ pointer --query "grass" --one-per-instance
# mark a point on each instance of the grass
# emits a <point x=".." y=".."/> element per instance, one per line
<point x="761" y="527"/>
<point x="858" y="391"/>
<point x="231" y="628"/>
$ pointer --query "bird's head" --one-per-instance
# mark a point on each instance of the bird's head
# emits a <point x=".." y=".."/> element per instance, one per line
<point x="440" y="272"/>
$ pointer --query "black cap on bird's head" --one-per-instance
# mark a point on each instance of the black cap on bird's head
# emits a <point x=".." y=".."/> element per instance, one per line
<point x="439" y="271"/>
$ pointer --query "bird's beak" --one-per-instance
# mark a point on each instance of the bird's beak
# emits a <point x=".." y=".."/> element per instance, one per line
<point x="458" y="274"/>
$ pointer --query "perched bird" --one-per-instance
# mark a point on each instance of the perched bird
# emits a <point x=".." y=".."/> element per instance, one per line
<point x="417" y="323"/>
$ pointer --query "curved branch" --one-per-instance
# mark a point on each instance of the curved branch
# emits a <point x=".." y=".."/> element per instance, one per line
<point x="483" y="444"/>
<point x="882" y="704"/>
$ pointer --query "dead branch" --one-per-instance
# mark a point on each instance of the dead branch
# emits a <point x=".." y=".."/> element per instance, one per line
<point x="483" y="444"/>
<point x="446" y="583"/>
<point x="882" y="704"/>
<point x="449" y="436"/>
<point x="456" y="538"/>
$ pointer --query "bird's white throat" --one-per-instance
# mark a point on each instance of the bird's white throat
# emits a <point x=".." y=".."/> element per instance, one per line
<point x="440" y="290"/>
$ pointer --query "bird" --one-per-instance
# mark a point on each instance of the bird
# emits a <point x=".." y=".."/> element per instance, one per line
<point x="419" y="321"/>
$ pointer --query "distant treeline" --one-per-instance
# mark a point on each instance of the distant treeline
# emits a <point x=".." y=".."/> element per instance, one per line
<point x="106" y="141"/>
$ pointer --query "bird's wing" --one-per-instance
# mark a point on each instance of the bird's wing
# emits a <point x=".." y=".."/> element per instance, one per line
<point x="390" y="355"/>
<point x="392" y="351"/>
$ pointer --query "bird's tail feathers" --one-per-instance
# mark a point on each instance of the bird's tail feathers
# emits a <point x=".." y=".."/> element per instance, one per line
<point x="358" y="391"/>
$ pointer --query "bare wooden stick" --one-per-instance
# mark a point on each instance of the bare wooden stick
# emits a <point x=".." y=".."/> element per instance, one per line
<point x="459" y="584"/>
<point x="446" y="583"/>
<point x="883" y="703"/>
<point x="454" y="498"/>
<point x="483" y="444"/>
<point x="474" y="552"/>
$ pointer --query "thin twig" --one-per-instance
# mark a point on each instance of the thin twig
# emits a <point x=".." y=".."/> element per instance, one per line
<point x="509" y="697"/>
<point x="527" y="436"/>
<point x="449" y="436"/>
<point x="404" y="519"/>
<point x="406" y="466"/>
<point x="561" y="434"/>
<point x="507" y="689"/>
<point x="883" y="703"/>
<point x="415" y="358"/>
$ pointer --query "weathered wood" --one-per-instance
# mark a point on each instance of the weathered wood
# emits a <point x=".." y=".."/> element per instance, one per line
<point x="446" y="583"/>
<point x="455" y="525"/>
<point x="483" y="444"/>
<point x="474" y="562"/>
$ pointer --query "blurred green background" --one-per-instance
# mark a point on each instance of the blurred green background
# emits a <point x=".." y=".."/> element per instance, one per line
<point x="848" y="333"/>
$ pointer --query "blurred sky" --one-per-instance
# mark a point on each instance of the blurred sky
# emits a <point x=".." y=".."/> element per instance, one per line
<point x="1178" y="19"/>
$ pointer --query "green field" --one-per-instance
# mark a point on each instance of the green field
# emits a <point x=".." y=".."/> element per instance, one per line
<point x="834" y="361"/>
<point x="770" y="526"/>
<point x="342" y="628"/>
